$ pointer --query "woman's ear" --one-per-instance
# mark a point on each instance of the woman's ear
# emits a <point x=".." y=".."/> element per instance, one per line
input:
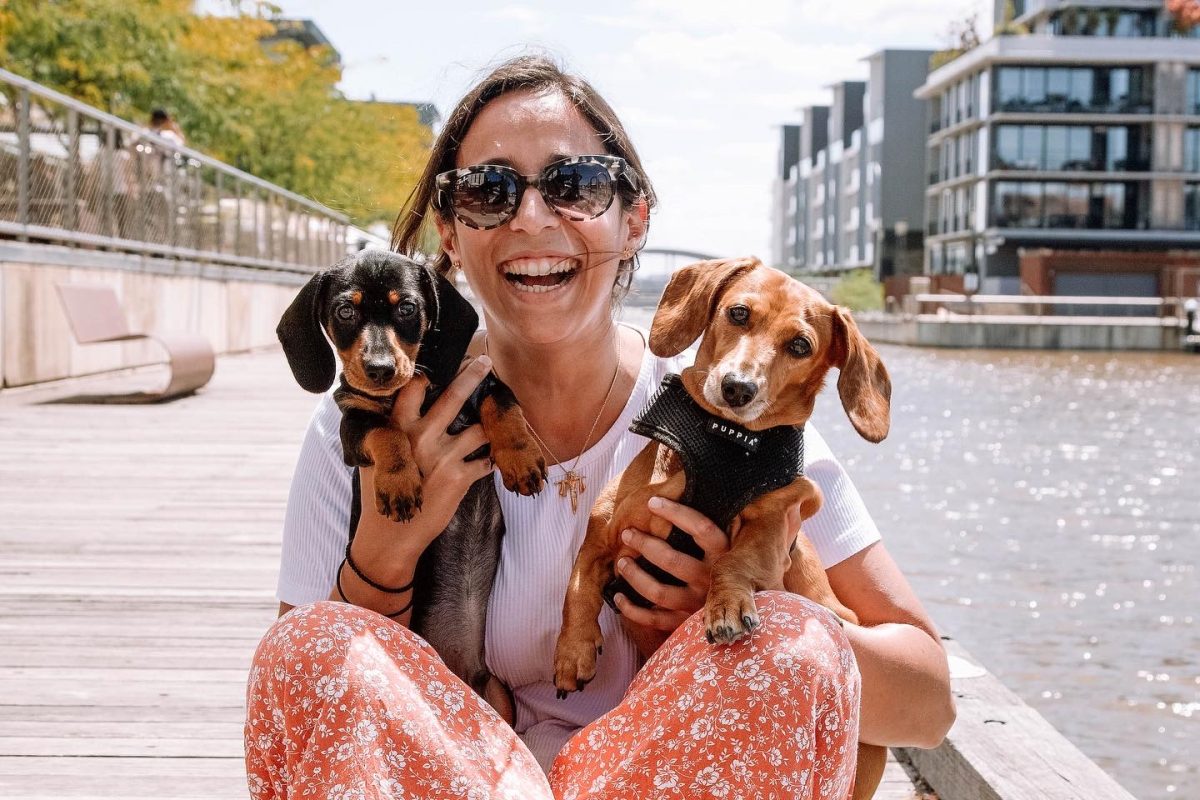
<point x="447" y="237"/>
<point x="637" y="226"/>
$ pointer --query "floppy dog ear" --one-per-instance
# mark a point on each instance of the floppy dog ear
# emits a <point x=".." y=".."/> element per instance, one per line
<point x="300" y="332"/>
<point x="863" y="385"/>
<point x="452" y="323"/>
<point x="688" y="302"/>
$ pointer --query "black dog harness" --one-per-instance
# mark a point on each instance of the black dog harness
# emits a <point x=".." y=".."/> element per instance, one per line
<point x="725" y="467"/>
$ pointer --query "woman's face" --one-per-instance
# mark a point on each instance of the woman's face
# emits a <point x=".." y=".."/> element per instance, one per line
<point x="526" y="131"/>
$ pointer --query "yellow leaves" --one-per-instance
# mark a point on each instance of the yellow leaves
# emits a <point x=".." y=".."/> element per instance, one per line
<point x="270" y="108"/>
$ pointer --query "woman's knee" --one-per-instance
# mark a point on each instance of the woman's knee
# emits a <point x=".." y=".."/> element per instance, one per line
<point x="800" y="639"/>
<point x="317" y="639"/>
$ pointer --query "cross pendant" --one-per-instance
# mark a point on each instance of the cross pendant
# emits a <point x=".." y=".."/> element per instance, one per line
<point x="572" y="482"/>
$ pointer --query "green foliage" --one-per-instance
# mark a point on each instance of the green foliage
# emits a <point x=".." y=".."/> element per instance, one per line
<point x="269" y="108"/>
<point x="859" y="291"/>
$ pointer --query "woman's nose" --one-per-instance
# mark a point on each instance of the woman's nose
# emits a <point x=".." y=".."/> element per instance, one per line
<point x="533" y="214"/>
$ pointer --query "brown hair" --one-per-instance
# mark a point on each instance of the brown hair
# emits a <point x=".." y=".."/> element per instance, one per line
<point x="529" y="72"/>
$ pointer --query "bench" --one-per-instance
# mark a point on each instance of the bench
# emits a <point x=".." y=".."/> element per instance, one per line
<point x="95" y="315"/>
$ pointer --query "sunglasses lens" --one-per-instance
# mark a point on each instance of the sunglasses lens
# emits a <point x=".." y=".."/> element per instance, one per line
<point x="580" y="191"/>
<point x="485" y="198"/>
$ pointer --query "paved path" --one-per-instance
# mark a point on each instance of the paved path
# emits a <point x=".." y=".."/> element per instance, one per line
<point x="140" y="546"/>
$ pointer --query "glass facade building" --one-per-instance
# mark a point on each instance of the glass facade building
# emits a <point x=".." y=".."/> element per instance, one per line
<point x="1082" y="135"/>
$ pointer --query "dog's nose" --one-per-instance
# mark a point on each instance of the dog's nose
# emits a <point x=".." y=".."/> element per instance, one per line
<point x="737" y="392"/>
<point x="381" y="371"/>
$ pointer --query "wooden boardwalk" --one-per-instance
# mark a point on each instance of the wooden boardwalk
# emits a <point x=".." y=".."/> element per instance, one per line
<point x="140" y="547"/>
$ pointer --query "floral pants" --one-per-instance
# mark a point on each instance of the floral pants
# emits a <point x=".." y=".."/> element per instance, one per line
<point x="346" y="704"/>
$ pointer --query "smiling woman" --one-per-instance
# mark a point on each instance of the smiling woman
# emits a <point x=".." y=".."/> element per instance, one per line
<point x="539" y="197"/>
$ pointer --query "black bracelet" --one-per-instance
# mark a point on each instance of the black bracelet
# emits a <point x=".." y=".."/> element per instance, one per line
<point x="342" y="594"/>
<point x="379" y="587"/>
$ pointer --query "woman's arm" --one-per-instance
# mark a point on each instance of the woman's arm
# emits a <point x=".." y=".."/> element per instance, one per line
<point x="906" y="698"/>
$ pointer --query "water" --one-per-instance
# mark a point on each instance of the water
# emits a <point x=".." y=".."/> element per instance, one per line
<point x="1046" y="508"/>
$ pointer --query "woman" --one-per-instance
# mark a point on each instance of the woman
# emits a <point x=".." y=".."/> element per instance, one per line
<point x="343" y="701"/>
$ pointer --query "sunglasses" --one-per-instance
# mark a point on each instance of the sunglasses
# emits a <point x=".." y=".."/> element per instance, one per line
<point x="486" y="196"/>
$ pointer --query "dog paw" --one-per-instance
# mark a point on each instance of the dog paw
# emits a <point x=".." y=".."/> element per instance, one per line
<point x="575" y="661"/>
<point x="522" y="470"/>
<point x="397" y="495"/>
<point x="730" y="616"/>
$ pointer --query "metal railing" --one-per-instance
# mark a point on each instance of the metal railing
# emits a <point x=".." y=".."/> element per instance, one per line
<point x="73" y="174"/>
<point x="1045" y="305"/>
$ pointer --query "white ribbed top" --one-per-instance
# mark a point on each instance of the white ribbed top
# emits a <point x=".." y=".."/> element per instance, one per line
<point x="541" y="540"/>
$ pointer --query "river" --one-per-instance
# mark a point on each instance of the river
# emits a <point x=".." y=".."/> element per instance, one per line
<point x="1046" y="508"/>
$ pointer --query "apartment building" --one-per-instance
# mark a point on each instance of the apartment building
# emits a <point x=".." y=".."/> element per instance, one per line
<point x="849" y="190"/>
<point x="1066" y="160"/>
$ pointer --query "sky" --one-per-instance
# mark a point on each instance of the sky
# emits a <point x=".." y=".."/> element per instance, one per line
<point x="701" y="85"/>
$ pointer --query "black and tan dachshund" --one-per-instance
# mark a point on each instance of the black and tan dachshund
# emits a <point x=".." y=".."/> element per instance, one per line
<point x="392" y="320"/>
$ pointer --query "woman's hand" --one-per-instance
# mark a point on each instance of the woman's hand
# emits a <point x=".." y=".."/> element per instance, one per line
<point x="673" y="604"/>
<point x="388" y="550"/>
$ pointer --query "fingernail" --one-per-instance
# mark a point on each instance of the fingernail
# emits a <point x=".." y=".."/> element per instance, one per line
<point x="622" y="564"/>
<point x="657" y="502"/>
<point x="626" y="536"/>
<point x="484" y="362"/>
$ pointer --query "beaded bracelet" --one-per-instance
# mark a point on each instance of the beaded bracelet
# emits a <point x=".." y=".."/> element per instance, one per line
<point x="342" y="593"/>
<point x="379" y="587"/>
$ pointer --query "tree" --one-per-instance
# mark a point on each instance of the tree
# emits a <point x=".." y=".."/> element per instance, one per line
<point x="269" y="108"/>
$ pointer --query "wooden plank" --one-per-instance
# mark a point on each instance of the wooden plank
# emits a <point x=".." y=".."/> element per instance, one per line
<point x="1001" y="749"/>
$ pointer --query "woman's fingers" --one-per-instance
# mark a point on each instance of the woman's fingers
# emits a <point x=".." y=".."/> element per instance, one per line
<point x="446" y="408"/>
<point x="659" y="619"/>
<point x="675" y="598"/>
<point x="712" y="540"/>
<point x="691" y="571"/>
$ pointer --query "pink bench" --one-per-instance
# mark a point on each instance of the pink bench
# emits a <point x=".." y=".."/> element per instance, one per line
<point x="95" y="315"/>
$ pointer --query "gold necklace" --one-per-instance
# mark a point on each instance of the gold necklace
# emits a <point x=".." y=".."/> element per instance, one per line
<point x="572" y="482"/>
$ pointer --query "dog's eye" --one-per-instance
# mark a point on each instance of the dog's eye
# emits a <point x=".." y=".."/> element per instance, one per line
<point x="738" y="315"/>
<point x="406" y="309"/>
<point x="345" y="313"/>
<point x="800" y="347"/>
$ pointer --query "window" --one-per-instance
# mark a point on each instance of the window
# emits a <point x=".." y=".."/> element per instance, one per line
<point x="1116" y="150"/>
<point x="1113" y="203"/>
<point x="1031" y="147"/>
<point x="1029" y="212"/>
<point x="1008" y="86"/>
<point x="1191" y="206"/>
<point x="1193" y="91"/>
<point x="1079" y="148"/>
<point x="1191" y="149"/>
<point x="1080" y="93"/>
<point x="1058" y="85"/>
<point x="1008" y="146"/>
<point x="1033" y="86"/>
<point x="1057" y="153"/>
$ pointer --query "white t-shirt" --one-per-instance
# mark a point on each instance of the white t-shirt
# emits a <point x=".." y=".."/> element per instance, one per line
<point x="541" y="539"/>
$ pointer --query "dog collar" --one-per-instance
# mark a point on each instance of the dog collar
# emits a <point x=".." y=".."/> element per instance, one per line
<point x="726" y="464"/>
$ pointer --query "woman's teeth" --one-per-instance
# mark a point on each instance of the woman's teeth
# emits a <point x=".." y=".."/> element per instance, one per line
<point x="539" y="274"/>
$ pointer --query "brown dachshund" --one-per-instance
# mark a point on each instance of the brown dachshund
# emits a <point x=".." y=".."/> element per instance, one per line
<point x="769" y="342"/>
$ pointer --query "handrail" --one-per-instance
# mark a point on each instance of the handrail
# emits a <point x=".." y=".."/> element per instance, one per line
<point x="74" y="174"/>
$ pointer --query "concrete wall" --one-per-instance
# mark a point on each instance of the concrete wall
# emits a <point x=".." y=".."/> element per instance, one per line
<point x="1120" y="334"/>
<point x="235" y="308"/>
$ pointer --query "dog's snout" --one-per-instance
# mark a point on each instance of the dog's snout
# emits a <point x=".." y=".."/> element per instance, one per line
<point x="381" y="371"/>
<point x="737" y="391"/>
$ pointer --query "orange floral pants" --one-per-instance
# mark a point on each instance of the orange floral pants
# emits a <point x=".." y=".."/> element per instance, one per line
<point x="346" y="704"/>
